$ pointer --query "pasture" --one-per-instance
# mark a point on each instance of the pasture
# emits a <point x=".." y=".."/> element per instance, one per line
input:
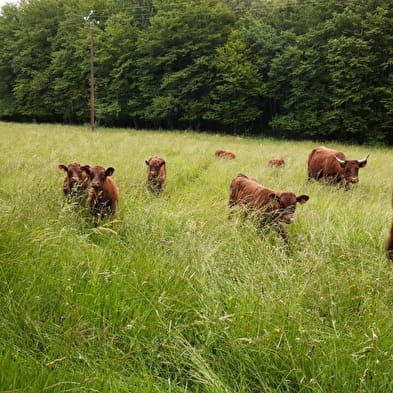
<point x="170" y="295"/>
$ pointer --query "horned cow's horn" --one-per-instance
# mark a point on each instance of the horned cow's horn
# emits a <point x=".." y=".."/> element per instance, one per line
<point x="339" y="160"/>
<point x="364" y="159"/>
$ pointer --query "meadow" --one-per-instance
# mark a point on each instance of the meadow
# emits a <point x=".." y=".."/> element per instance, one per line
<point x="172" y="296"/>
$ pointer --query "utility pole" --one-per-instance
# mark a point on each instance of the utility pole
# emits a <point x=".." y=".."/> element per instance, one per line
<point x="92" y="21"/>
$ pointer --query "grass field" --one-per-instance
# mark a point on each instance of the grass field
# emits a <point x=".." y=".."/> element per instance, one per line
<point x="170" y="295"/>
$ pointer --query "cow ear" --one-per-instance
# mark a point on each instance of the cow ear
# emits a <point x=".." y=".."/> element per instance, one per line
<point x="162" y="163"/>
<point x="63" y="167"/>
<point x="302" y="199"/>
<point x="274" y="197"/>
<point x="147" y="162"/>
<point x="86" y="168"/>
<point x="109" y="171"/>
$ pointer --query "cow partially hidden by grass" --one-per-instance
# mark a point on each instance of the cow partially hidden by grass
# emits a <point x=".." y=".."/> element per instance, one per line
<point x="271" y="208"/>
<point x="227" y="155"/>
<point x="278" y="162"/>
<point x="76" y="180"/>
<point x="103" y="194"/>
<point x="333" y="166"/>
<point x="156" y="174"/>
<point x="389" y="241"/>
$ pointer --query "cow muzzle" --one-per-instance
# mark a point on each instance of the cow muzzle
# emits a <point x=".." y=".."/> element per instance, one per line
<point x="354" y="180"/>
<point x="288" y="219"/>
<point x="96" y="186"/>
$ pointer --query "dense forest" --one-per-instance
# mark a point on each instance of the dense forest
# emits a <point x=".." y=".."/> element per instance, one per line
<point x="318" y="69"/>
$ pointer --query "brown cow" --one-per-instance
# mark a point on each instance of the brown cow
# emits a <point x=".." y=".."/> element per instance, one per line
<point x="389" y="241"/>
<point x="103" y="193"/>
<point x="156" y="174"/>
<point x="332" y="165"/>
<point x="225" y="154"/>
<point x="276" y="162"/>
<point x="272" y="207"/>
<point x="76" y="181"/>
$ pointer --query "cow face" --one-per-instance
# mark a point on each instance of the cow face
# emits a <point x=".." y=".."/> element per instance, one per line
<point x="98" y="175"/>
<point x="351" y="168"/>
<point x="285" y="205"/>
<point x="76" y="175"/>
<point x="154" y="165"/>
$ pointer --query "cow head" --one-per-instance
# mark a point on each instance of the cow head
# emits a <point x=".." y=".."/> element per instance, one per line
<point x="76" y="175"/>
<point x="285" y="205"/>
<point x="98" y="175"/>
<point x="154" y="165"/>
<point x="351" y="168"/>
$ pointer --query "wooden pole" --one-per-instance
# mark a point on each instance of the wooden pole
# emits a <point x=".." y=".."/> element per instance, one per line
<point x="92" y="103"/>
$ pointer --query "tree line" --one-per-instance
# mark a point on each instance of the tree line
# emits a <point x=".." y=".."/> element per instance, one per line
<point x="317" y="69"/>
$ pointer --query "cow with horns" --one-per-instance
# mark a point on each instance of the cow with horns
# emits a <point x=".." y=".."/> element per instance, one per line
<point x="332" y="165"/>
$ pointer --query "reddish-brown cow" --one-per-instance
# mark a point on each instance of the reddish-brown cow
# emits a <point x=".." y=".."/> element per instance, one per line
<point x="278" y="162"/>
<point x="332" y="165"/>
<point x="103" y="193"/>
<point x="389" y="241"/>
<point x="76" y="180"/>
<point x="225" y="154"/>
<point x="156" y="174"/>
<point x="272" y="207"/>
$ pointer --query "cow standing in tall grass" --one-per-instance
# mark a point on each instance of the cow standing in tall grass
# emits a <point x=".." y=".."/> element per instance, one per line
<point x="389" y="241"/>
<point x="332" y="165"/>
<point x="271" y="207"/>
<point x="156" y="174"/>
<point x="76" y="181"/>
<point x="103" y="193"/>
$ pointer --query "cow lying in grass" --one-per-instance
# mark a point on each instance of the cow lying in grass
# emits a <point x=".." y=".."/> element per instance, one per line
<point x="272" y="208"/>
<point x="278" y="162"/>
<point x="332" y="165"/>
<point x="228" y="155"/>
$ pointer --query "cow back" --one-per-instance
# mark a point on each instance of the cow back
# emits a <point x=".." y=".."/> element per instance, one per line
<point x="228" y="155"/>
<point x="247" y="191"/>
<point x="322" y="162"/>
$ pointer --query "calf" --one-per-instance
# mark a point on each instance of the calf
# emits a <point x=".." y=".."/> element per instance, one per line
<point x="225" y="154"/>
<point x="389" y="241"/>
<point x="276" y="162"/>
<point x="103" y="193"/>
<point x="332" y="165"/>
<point x="156" y="174"/>
<point x="76" y="180"/>
<point x="271" y="207"/>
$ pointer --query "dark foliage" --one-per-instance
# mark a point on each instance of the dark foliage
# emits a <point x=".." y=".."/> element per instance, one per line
<point x="315" y="69"/>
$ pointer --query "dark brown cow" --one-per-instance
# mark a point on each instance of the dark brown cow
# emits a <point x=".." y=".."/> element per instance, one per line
<point x="272" y="207"/>
<point x="156" y="174"/>
<point x="332" y="165"/>
<point x="225" y="154"/>
<point x="278" y="162"/>
<point x="389" y="241"/>
<point x="103" y="193"/>
<point x="76" y="180"/>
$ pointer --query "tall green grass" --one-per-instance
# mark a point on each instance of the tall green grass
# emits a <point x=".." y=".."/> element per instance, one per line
<point x="170" y="295"/>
